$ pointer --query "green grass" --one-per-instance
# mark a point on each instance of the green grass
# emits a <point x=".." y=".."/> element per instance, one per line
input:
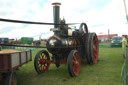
<point x="107" y="45"/>
<point x="105" y="72"/>
<point x="104" y="45"/>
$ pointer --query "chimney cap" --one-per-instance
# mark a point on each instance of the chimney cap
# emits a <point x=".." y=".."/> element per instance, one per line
<point x="56" y="4"/>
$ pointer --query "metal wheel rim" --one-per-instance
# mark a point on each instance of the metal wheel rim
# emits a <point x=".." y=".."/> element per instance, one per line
<point x="76" y="63"/>
<point x="43" y="62"/>
<point x="95" y="49"/>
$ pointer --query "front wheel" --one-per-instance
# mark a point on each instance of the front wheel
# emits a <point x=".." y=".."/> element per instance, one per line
<point x="74" y="63"/>
<point x="41" y="61"/>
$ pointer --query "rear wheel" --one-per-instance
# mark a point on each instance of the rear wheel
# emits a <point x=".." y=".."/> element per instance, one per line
<point x="10" y="78"/>
<point x="74" y="63"/>
<point x="41" y="61"/>
<point x="91" y="48"/>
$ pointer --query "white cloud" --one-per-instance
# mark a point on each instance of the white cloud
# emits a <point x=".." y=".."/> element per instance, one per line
<point x="111" y="16"/>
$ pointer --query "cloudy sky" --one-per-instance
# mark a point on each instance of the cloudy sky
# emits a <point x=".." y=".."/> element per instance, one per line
<point x="99" y="15"/>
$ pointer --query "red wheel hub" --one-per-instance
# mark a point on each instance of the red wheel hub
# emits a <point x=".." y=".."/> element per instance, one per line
<point x="43" y="63"/>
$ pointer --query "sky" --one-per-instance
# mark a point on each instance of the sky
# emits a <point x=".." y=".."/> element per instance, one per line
<point x="99" y="15"/>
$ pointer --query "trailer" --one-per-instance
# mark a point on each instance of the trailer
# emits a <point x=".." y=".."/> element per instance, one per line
<point x="11" y="60"/>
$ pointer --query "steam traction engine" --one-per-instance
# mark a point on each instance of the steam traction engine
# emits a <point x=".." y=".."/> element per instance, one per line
<point x="67" y="46"/>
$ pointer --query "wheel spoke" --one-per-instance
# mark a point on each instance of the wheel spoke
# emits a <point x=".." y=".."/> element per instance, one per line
<point x="76" y="62"/>
<point x="42" y="56"/>
<point x="74" y="58"/>
<point x="40" y="67"/>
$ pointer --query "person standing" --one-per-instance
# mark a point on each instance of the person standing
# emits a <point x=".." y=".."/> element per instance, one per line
<point x="124" y="44"/>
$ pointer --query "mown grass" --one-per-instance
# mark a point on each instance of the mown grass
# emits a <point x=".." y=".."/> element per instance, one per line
<point x="104" y="45"/>
<point x="105" y="72"/>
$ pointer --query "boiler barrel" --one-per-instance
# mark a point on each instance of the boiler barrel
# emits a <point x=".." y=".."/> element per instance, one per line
<point x="58" y="46"/>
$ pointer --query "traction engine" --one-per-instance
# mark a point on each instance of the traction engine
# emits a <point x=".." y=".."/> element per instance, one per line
<point x="67" y="46"/>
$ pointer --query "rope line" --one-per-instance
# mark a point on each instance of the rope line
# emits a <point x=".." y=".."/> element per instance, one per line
<point x="37" y="46"/>
<point x="30" y="22"/>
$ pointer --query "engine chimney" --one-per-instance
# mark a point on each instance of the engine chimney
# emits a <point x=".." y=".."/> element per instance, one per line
<point x="56" y="13"/>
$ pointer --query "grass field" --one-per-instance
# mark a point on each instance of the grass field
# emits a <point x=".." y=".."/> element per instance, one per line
<point x="105" y="72"/>
<point x="104" y="45"/>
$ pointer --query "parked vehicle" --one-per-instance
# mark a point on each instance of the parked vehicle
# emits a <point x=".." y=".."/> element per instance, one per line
<point x="116" y="42"/>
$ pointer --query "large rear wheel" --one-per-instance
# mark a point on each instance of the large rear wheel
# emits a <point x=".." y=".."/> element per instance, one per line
<point x="41" y="61"/>
<point x="74" y="63"/>
<point x="91" y="48"/>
